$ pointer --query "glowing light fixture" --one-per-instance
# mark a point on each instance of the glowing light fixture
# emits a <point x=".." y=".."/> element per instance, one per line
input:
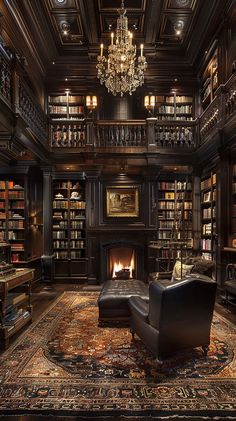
<point x="121" y="71"/>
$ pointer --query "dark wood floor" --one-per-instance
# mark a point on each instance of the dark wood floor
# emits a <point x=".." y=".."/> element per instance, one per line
<point x="43" y="296"/>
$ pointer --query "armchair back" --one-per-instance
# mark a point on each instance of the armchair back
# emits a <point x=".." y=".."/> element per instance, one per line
<point x="179" y="315"/>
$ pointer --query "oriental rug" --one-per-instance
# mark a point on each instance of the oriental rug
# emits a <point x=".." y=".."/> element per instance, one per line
<point x="64" y="364"/>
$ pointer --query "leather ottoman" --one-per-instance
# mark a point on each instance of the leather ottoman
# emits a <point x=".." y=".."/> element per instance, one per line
<point x="114" y="295"/>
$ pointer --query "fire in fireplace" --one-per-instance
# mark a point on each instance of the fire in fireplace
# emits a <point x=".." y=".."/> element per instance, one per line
<point x="121" y="263"/>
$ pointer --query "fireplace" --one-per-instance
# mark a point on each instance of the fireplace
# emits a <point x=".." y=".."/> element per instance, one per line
<point x="121" y="263"/>
<point x="121" y="260"/>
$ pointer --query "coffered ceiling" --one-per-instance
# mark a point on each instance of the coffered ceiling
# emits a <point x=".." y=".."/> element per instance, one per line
<point x="67" y="34"/>
<point x="165" y="23"/>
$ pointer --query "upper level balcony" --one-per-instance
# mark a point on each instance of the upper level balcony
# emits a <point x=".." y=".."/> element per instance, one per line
<point x="34" y="129"/>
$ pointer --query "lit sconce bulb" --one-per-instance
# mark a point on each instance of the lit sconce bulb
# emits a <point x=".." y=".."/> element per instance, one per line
<point x="87" y="101"/>
<point x="65" y="32"/>
<point x="91" y="102"/>
<point x="152" y="101"/>
<point x="178" y="32"/>
<point x="112" y="38"/>
<point x="94" y="101"/>
<point x="141" y="50"/>
<point x="146" y="101"/>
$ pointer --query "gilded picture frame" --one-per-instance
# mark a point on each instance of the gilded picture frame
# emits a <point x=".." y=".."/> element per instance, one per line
<point x="122" y="202"/>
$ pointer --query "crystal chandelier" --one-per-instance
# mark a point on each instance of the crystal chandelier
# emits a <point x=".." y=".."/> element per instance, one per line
<point x="121" y="71"/>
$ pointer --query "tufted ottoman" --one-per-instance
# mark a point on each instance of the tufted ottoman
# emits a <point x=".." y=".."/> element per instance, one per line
<point x="114" y="295"/>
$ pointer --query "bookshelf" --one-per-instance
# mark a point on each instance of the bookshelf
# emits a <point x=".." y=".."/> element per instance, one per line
<point x="209" y="80"/>
<point x="208" y="215"/>
<point x="233" y="210"/>
<point x="174" y="220"/>
<point x="69" y="228"/>
<point x="21" y="218"/>
<point x="67" y="113"/>
<point x="13" y="217"/>
<point x="174" y="107"/>
<point x="15" y="305"/>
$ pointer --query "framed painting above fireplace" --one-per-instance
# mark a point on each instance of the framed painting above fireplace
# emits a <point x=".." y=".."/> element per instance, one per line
<point x="122" y="202"/>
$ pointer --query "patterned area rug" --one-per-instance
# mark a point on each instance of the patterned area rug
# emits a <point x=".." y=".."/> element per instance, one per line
<point x="65" y="364"/>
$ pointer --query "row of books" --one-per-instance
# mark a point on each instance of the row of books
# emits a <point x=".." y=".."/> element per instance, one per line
<point x="206" y="244"/>
<point x="172" y="99"/>
<point x="211" y="181"/>
<point x="179" y="185"/>
<point x="74" y="254"/>
<point x="63" y="98"/>
<point x="209" y="213"/>
<point x="209" y="196"/>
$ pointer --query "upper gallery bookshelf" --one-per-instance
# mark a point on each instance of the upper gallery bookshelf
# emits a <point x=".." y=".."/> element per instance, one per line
<point x="69" y="228"/>
<point x="208" y="215"/>
<point x="174" y="220"/>
<point x="209" y="80"/>
<point x="174" y="107"/>
<point x="67" y="113"/>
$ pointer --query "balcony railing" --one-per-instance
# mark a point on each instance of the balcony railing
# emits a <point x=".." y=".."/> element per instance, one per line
<point x="209" y="119"/>
<point x="19" y="97"/>
<point x="175" y="134"/>
<point x="31" y="113"/>
<point x="5" y="76"/>
<point x="230" y="97"/>
<point x="127" y="134"/>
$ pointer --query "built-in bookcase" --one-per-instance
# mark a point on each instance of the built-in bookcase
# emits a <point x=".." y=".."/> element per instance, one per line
<point x="67" y="128"/>
<point x="21" y="218"/>
<point x="69" y="228"/>
<point x="14" y="217"/>
<point x="208" y="216"/>
<point x="233" y="209"/>
<point x="209" y="80"/>
<point x="174" y="107"/>
<point x="174" y="220"/>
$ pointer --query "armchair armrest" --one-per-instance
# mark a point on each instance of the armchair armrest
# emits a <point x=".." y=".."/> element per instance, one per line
<point x="139" y="307"/>
<point x="155" y="276"/>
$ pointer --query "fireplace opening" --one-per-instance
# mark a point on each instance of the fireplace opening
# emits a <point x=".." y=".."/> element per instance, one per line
<point x="121" y="263"/>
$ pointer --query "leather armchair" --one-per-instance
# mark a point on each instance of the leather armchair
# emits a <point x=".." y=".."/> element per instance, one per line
<point x="177" y="316"/>
<point x="199" y="266"/>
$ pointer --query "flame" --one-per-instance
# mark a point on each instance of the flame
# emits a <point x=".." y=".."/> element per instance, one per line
<point x="119" y="266"/>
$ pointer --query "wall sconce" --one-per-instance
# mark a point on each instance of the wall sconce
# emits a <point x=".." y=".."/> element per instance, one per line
<point x="149" y="103"/>
<point x="91" y="102"/>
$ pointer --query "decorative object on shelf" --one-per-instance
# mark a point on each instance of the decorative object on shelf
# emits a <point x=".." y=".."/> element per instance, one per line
<point x="120" y="72"/>
<point x="75" y="195"/>
<point x="122" y="201"/>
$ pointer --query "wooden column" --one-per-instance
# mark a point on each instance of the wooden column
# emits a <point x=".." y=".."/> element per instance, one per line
<point x="47" y="258"/>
